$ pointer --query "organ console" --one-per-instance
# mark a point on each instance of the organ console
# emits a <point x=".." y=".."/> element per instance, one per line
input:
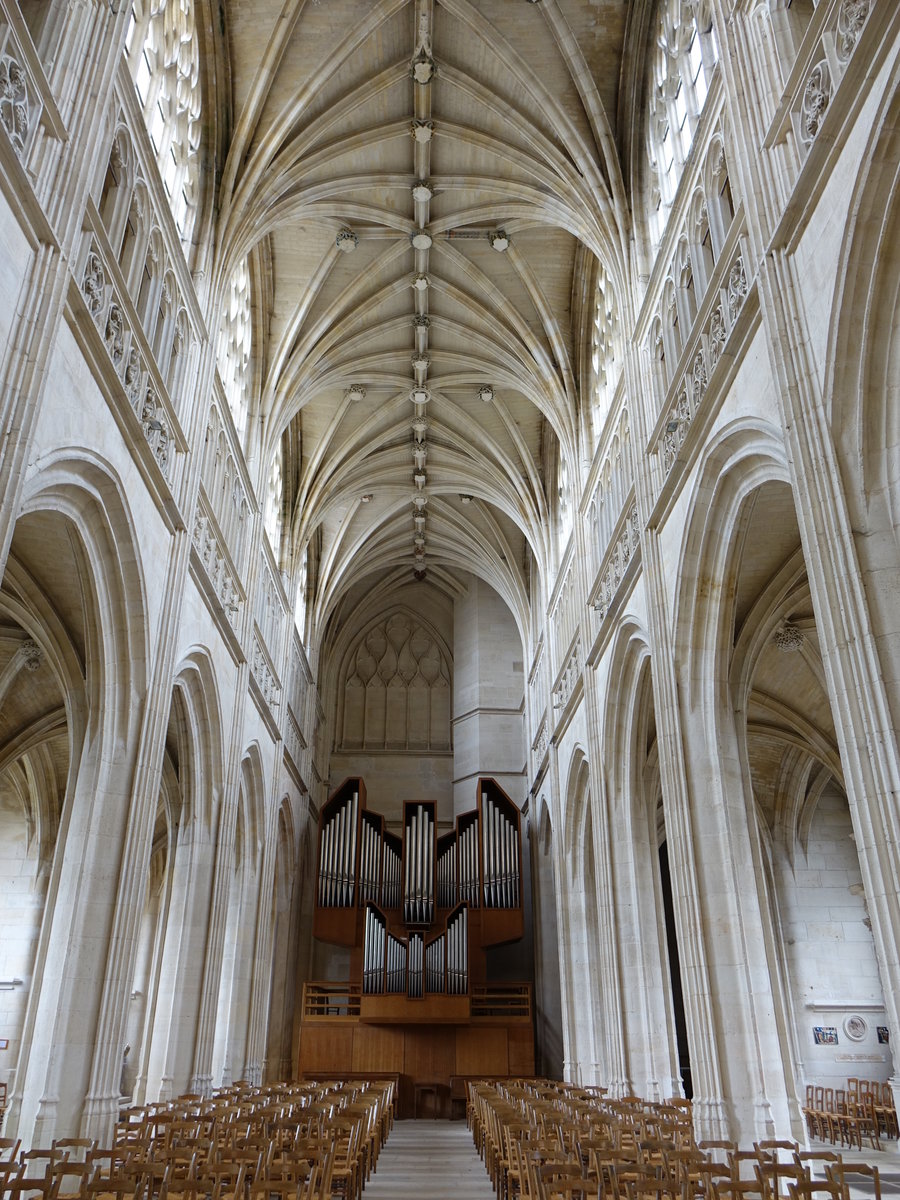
<point x="418" y="910"/>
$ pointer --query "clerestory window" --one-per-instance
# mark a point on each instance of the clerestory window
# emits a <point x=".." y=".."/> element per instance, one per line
<point x="163" y="55"/>
<point x="606" y="351"/>
<point x="685" y="56"/>
<point x="234" y="344"/>
<point x="272" y="517"/>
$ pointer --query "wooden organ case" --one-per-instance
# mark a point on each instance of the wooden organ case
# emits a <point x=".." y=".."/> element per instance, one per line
<point x="419" y="913"/>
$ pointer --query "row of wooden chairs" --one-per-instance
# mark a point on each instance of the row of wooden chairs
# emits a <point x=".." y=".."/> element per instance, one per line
<point x="555" y="1142"/>
<point x="311" y="1141"/>
<point x="862" y="1112"/>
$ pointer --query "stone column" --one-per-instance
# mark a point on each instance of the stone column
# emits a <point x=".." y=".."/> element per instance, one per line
<point x="488" y="690"/>
<point x="181" y="975"/>
<point x="261" y="985"/>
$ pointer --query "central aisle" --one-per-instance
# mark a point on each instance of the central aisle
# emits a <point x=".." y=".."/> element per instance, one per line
<point x="429" y="1160"/>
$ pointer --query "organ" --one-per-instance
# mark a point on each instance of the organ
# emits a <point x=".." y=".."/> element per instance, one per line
<point x="418" y="909"/>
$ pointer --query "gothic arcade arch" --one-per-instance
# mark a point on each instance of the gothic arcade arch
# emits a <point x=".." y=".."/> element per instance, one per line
<point x="649" y="1061"/>
<point x="75" y="567"/>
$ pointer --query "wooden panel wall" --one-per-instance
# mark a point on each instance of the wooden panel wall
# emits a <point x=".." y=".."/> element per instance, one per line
<point x="417" y="1053"/>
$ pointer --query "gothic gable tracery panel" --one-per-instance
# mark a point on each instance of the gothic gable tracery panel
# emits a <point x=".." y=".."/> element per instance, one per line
<point x="395" y="692"/>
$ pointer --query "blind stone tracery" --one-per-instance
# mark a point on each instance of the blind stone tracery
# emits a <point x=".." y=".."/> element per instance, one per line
<point x="396" y="690"/>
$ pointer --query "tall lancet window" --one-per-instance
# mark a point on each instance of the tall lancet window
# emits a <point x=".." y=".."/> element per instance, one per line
<point x="274" y="503"/>
<point x="300" y="603"/>
<point x="685" y="57"/>
<point x="164" y="58"/>
<point x="564" y="498"/>
<point x="233" y="347"/>
<point x="606" y="352"/>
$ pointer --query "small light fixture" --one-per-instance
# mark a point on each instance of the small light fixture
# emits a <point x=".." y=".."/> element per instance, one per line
<point x="420" y="395"/>
<point x="355" y="392"/>
<point x="420" y="362"/>
<point x="419" y="428"/>
<point x="423" y="68"/>
<point x="419" y="501"/>
<point x="419" y="523"/>
<point x="346" y="241"/>
<point x="464" y="499"/>
<point x="422" y="130"/>
<point x="419" y="542"/>
<point x="419" y="479"/>
<point x="421" y="240"/>
<point x="420" y="453"/>
<point x="499" y="239"/>
<point x="486" y="393"/>
<point x="422" y="190"/>
<point x="366" y="498"/>
<point x="420" y="283"/>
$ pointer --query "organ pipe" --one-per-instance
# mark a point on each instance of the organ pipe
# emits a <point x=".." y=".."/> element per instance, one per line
<point x="418" y="876"/>
<point x="414" y="970"/>
<point x="363" y="864"/>
<point x="500" y="855"/>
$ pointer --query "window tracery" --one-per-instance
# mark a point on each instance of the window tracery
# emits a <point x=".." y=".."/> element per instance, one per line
<point x="686" y="55"/>
<point x="272" y="518"/>
<point x="233" y="347"/>
<point x="163" y="55"/>
<point x="300" y="601"/>
<point x="606" y="350"/>
<point x="564" y="497"/>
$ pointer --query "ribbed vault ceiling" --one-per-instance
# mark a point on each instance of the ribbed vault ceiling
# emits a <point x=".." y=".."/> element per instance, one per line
<point x="511" y="129"/>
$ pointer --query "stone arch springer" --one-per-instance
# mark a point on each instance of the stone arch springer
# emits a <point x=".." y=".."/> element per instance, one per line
<point x="85" y="490"/>
<point x="745" y="455"/>
<point x="196" y="681"/>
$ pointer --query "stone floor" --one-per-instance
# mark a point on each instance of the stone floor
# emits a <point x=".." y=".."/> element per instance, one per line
<point x="429" y="1160"/>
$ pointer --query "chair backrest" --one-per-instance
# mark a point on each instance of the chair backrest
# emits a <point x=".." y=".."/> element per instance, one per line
<point x="9" y="1148"/>
<point x="838" y="1172"/>
<point x="77" y="1148"/>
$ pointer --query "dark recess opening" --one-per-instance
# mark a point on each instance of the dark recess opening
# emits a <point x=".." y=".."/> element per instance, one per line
<point x="681" y="1038"/>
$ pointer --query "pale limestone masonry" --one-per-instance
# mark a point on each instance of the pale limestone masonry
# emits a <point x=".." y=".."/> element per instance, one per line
<point x="421" y="389"/>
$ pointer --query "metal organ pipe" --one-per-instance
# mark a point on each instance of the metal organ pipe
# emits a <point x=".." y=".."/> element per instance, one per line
<point x="353" y="834"/>
<point x="415" y="965"/>
<point x="428" y="850"/>
<point x="373" y="952"/>
<point x="330" y="869"/>
<point x="390" y="889"/>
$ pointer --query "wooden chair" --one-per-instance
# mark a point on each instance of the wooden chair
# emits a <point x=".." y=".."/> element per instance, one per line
<point x="565" y="1181"/>
<point x="837" y="1173"/>
<point x="29" y="1187"/>
<point x="9" y="1148"/>
<point x="78" y="1149"/>
<point x="275" y="1189"/>
<point x="346" y="1176"/>
<point x="68" y="1171"/>
<point x="815" y="1189"/>
<point x="737" y="1189"/>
